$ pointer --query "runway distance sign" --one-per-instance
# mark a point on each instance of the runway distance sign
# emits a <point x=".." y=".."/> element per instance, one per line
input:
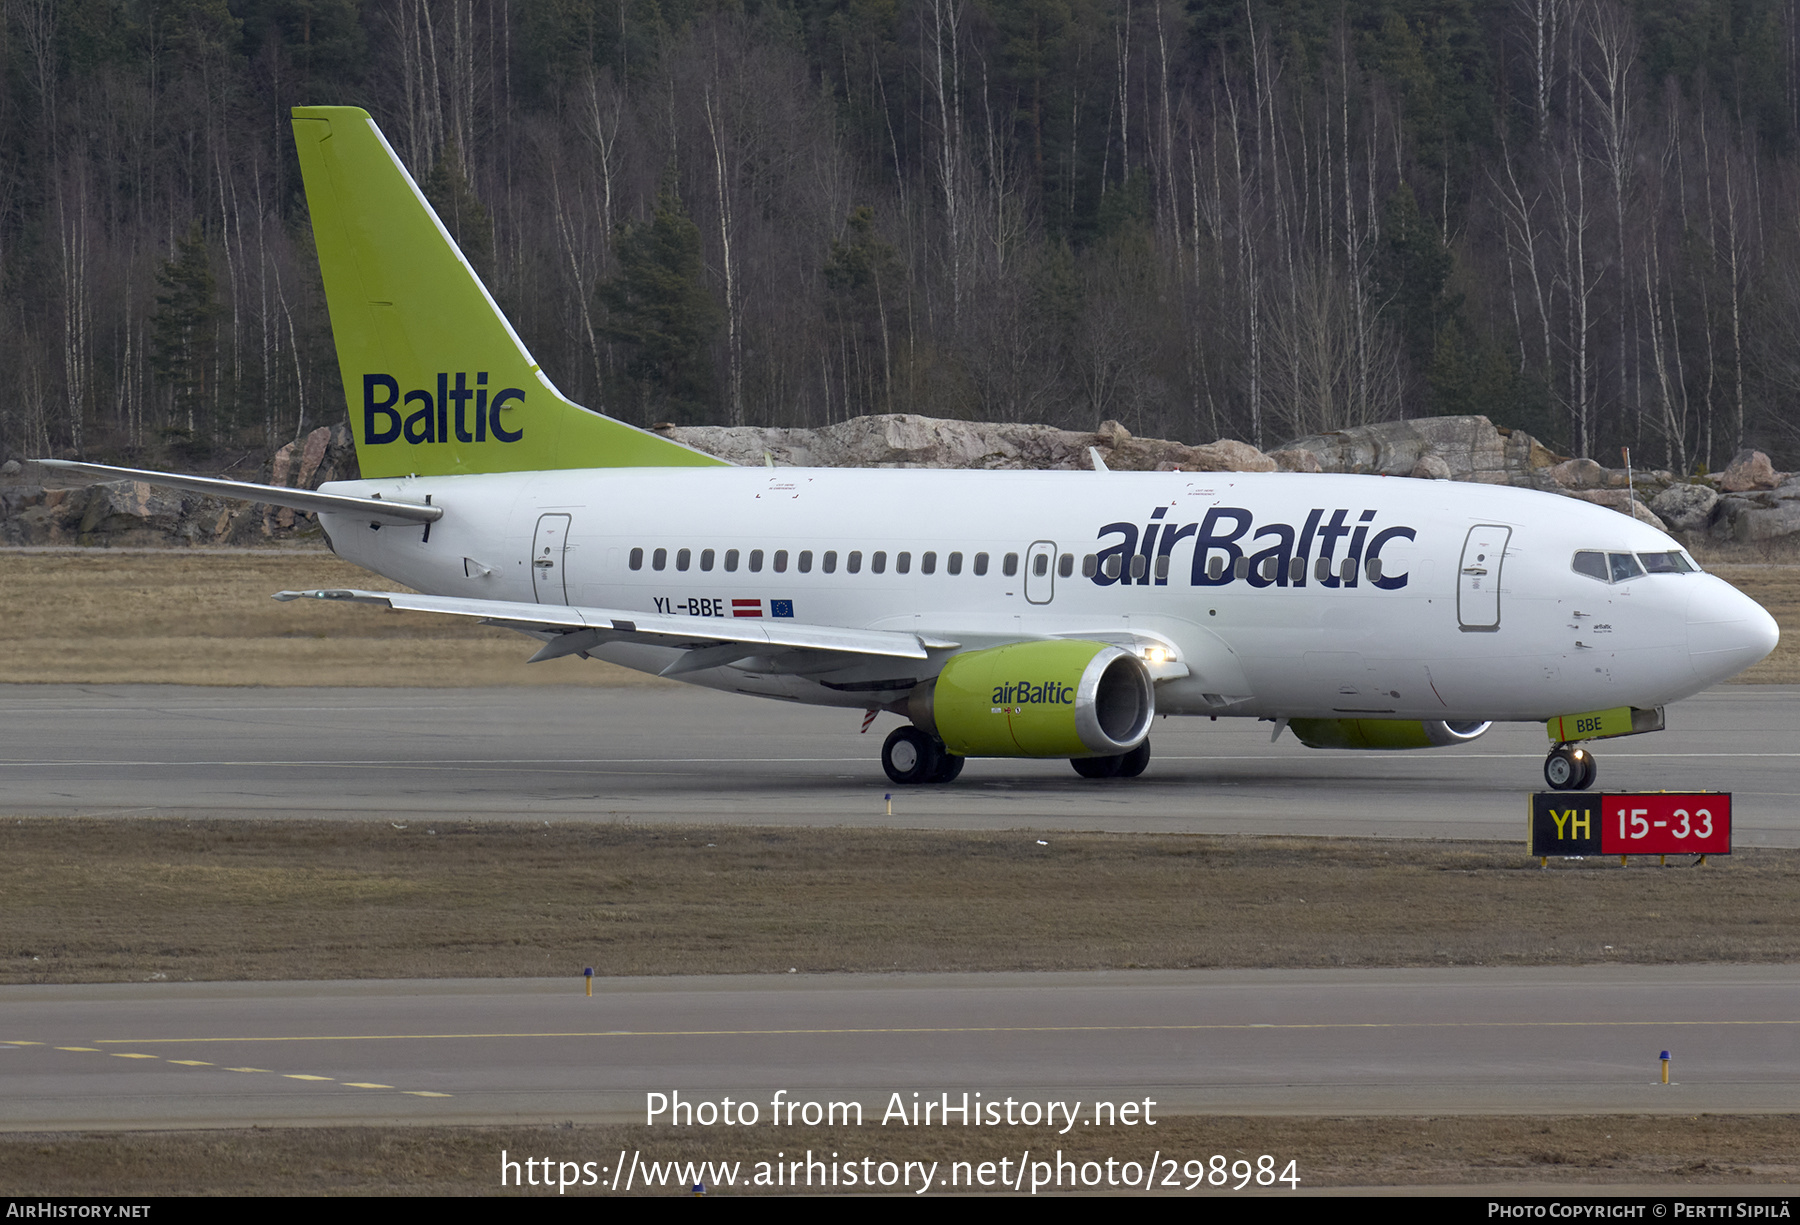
<point x="1631" y="823"/>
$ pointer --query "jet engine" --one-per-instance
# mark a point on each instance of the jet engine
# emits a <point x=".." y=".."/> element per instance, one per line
<point x="1059" y="698"/>
<point x="1384" y="733"/>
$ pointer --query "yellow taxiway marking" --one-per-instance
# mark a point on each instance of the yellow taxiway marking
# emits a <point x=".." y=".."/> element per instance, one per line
<point x="247" y="1069"/>
<point x="422" y="1093"/>
<point x="962" y="1029"/>
<point x="133" y="1055"/>
<point x="14" y="1042"/>
<point x="92" y="1050"/>
<point x="192" y="1063"/>
<point x="361" y="1084"/>
<point x="304" y="1076"/>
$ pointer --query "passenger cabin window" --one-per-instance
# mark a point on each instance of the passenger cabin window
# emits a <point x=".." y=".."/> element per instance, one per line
<point x="954" y="564"/>
<point x="637" y="559"/>
<point x="1138" y="565"/>
<point x="806" y="561"/>
<point x="1112" y="565"/>
<point x="902" y="563"/>
<point x="1162" y="568"/>
<point x="1010" y="566"/>
<point x="683" y="558"/>
<point x="1090" y="566"/>
<point x="830" y="561"/>
<point x="756" y="561"/>
<point x="981" y="560"/>
<point x="878" y="563"/>
<point x="706" y="559"/>
<point x="1040" y="565"/>
<point x="659" y="559"/>
<point x="1065" y="565"/>
<point x="781" y="561"/>
<point x="928" y="563"/>
<point x="853" y="563"/>
<point x="731" y="560"/>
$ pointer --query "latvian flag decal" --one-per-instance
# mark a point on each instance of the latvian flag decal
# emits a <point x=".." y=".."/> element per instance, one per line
<point x="754" y="608"/>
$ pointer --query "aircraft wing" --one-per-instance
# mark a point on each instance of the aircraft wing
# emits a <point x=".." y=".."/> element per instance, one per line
<point x="709" y="642"/>
<point x="378" y="510"/>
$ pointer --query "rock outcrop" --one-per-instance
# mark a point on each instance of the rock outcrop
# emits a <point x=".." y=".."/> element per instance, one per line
<point x="1749" y="502"/>
<point x="1467" y="448"/>
<point x="120" y="514"/>
<point x="906" y="440"/>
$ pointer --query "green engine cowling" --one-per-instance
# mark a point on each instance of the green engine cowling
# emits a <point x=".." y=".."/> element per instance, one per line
<point x="1383" y="733"/>
<point x="1060" y="698"/>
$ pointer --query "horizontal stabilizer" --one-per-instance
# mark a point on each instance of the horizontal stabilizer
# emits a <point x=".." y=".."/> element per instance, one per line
<point x="378" y="510"/>
<point x="585" y="628"/>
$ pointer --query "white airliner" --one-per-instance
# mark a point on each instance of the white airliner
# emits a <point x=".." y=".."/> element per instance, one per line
<point x="1002" y="614"/>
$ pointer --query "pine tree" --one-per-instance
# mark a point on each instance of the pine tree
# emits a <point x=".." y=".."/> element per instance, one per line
<point x="461" y="211"/>
<point x="659" y="305"/>
<point x="183" y="331"/>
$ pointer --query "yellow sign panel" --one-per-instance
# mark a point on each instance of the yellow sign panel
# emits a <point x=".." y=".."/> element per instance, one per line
<point x="1593" y="725"/>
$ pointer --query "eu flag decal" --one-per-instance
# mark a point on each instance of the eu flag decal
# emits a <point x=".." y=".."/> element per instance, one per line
<point x="781" y="608"/>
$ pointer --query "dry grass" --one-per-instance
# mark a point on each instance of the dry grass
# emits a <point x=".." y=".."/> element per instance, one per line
<point x="1777" y="588"/>
<point x="1532" y="1152"/>
<point x="192" y="617"/>
<point x="107" y="901"/>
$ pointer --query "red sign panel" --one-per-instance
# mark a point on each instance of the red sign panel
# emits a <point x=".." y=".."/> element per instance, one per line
<point x="1665" y="823"/>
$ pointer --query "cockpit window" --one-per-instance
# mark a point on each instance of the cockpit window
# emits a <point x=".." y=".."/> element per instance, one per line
<point x="1665" y="563"/>
<point x="1617" y="567"/>
<point x="1592" y="564"/>
<point x="1624" y="566"/>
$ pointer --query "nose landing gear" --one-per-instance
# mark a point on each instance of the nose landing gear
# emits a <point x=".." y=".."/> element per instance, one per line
<point x="1569" y="768"/>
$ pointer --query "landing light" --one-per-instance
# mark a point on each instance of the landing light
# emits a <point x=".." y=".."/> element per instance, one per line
<point x="1156" y="655"/>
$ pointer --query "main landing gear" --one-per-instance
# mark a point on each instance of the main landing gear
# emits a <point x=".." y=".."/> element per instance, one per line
<point x="1569" y="768"/>
<point x="910" y="756"/>
<point x="1127" y="765"/>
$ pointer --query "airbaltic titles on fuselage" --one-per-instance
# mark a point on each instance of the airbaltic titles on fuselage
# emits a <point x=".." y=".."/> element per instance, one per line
<point x="1224" y="536"/>
<point x="436" y="416"/>
<point x="1222" y="541"/>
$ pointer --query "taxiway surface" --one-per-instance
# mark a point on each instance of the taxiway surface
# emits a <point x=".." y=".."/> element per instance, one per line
<point x="1453" y="1041"/>
<point x="665" y="754"/>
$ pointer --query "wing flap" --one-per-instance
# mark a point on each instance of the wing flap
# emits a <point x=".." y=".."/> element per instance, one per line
<point x="584" y="628"/>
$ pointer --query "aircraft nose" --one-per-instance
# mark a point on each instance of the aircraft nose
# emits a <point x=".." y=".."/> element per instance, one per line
<point x="1727" y="630"/>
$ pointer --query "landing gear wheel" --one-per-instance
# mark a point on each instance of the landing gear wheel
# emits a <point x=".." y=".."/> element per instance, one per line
<point x="951" y="767"/>
<point x="1096" y="767"/>
<point x="1132" y="764"/>
<point x="910" y="756"/>
<point x="1569" y="768"/>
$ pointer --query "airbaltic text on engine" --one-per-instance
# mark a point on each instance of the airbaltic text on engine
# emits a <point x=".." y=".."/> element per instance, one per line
<point x="1024" y="693"/>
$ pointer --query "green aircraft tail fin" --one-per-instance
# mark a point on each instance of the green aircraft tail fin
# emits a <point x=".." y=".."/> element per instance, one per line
<point x="437" y="380"/>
